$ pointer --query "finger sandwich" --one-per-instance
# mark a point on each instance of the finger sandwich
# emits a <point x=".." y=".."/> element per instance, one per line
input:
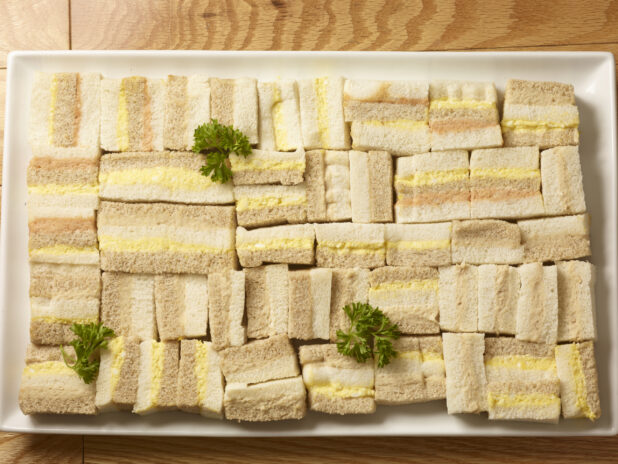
<point x="486" y="241"/>
<point x="537" y="306"/>
<point x="118" y="374"/>
<point x="158" y="377"/>
<point x="234" y="102"/>
<point x="576" y="301"/>
<point x="226" y="309"/>
<point x="309" y="303"/>
<point x="327" y="178"/>
<point x="268" y="167"/>
<point x="350" y="245"/>
<point x="498" y="292"/>
<point x="187" y="105"/>
<point x="371" y="186"/>
<point x="266" y="300"/>
<point x="561" y="176"/>
<point x="348" y="286"/>
<point x="418" y="244"/>
<point x="279" y="116"/>
<point x="458" y="298"/>
<point x="266" y="205"/>
<point x="292" y="244"/>
<point x="433" y="367"/>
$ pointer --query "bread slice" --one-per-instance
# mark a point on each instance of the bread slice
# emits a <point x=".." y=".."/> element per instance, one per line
<point x="463" y="115"/>
<point x="266" y="205"/>
<point x="160" y="238"/>
<point x="279" y="115"/>
<point x="539" y="113"/>
<point x="65" y="113"/>
<point x="158" y="377"/>
<point x="371" y="186"/>
<point x="292" y="244"/>
<point x="200" y="381"/>
<point x="234" y="102"/>
<point x="118" y="373"/>
<point x="266" y="300"/>
<point x="337" y="384"/>
<point x="327" y="178"/>
<point x="309" y="303"/>
<point x="160" y="176"/>
<point x="418" y="244"/>
<point x="576" y="301"/>
<point x="433" y="367"/>
<point x="505" y="183"/>
<point x="563" y="186"/>
<point x="181" y="305"/>
<point x="465" y="373"/>
<point x="486" y="241"/>
<point x="226" y="309"/>
<point x="579" y="388"/>
<point x="498" y="292"/>
<point x="433" y="187"/>
<point x="132" y="114"/>
<point x="350" y="245"/>
<point x="401" y="137"/>
<point x="458" y="298"/>
<point x="268" y="167"/>
<point x="321" y="113"/>
<point x="348" y="286"/>
<point x="187" y="105"/>
<point x="43" y="353"/>
<point x="537" y="306"/>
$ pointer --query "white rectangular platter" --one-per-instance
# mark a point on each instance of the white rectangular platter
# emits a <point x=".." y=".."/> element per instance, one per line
<point x="593" y="76"/>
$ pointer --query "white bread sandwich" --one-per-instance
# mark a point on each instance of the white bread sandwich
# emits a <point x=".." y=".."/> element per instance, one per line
<point x="309" y="303"/>
<point x="433" y="187"/>
<point x="418" y="244"/>
<point x="348" y="286"/>
<point x="267" y="205"/>
<point x="555" y="239"/>
<point x="458" y="298"/>
<point x="576" y="301"/>
<point x="132" y="114"/>
<point x="118" y="374"/>
<point x="234" y="102"/>
<point x="408" y="296"/>
<point x="337" y="384"/>
<point x="200" y="381"/>
<point x="505" y="183"/>
<point x="350" y="245"/>
<point x="226" y="309"/>
<point x="371" y="186"/>
<point x="539" y="113"/>
<point x="498" y="292"/>
<point x="292" y="244"/>
<point x="187" y="105"/>
<point x="65" y="112"/>
<point x="158" y="377"/>
<point x="465" y="372"/>
<point x="537" y="306"/>
<point x="327" y="179"/>
<point x="401" y="137"/>
<point x="160" y="238"/>
<point x="463" y="115"/>
<point x="181" y="306"/>
<point x="160" y="176"/>
<point x="268" y="167"/>
<point x="486" y="241"/>
<point x="266" y="300"/>
<point x="279" y="116"/>
<point x="579" y="388"/>
<point x="563" y="186"/>
<point x="321" y="113"/>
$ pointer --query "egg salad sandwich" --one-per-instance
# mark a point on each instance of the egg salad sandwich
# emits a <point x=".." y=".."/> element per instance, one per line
<point x="234" y="102"/>
<point x="505" y="183"/>
<point x="458" y="298"/>
<point x="160" y="176"/>
<point x="62" y="295"/>
<point x="49" y="386"/>
<point x="159" y="238"/>
<point x="181" y="305"/>
<point x="348" y="286"/>
<point x="327" y="179"/>
<point x="226" y="309"/>
<point x="292" y="244"/>
<point x="279" y="116"/>
<point x="187" y="105"/>
<point x="321" y="113"/>
<point x="463" y="115"/>
<point x="433" y="187"/>
<point x="579" y="388"/>
<point x="418" y="244"/>
<point x="268" y="167"/>
<point x="433" y="367"/>
<point x="200" y="381"/>
<point x="408" y="296"/>
<point x="576" y="301"/>
<point x="158" y="377"/>
<point x="65" y="113"/>
<point x="266" y="205"/>
<point x="522" y="382"/>
<point x="555" y="239"/>
<point x="118" y="374"/>
<point x="561" y="176"/>
<point x="337" y="384"/>
<point x="266" y="300"/>
<point x="539" y="113"/>
<point x="486" y="241"/>
<point x="498" y="292"/>
<point x="132" y="114"/>
<point x="350" y="245"/>
<point x="371" y="186"/>
<point x="537" y="306"/>
<point x="128" y="305"/>
<point x="309" y="303"/>
<point x="465" y="372"/>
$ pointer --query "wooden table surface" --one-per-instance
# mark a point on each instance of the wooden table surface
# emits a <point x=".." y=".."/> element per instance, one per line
<point x="304" y="25"/>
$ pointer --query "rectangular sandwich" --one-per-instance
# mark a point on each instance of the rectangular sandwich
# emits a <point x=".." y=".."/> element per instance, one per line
<point x="267" y="205"/>
<point x="158" y="376"/>
<point x="118" y="373"/>
<point x="234" y="102"/>
<point x="348" y="286"/>
<point x="371" y="186"/>
<point x="309" y="303"/>
<point x="498" y="292"/>
<point x="292" y="244"/>
<point x="433" y="367"/>
<point x="350" y="245"/>
<point x="279" y="115"/>
<point x="268" y="167"/>
<point x="563" y="186"/>
<point x="418" y="244"/>
<point x="327" y="178"/>
<point x="576" y="301"/>
<point x="226" y="309"/>
<point x="266" y="300"/>
<point x="537" y="306"/>
<point x="486" y="241"/>
<point x="458" y="298"/>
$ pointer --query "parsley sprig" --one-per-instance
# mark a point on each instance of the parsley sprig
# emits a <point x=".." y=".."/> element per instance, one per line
<point x="217" y="142"/>
<point x="371" y="332"/>
<point x="90" y="338"/>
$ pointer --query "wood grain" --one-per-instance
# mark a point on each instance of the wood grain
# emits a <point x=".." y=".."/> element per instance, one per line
<point x="32" y="449"/>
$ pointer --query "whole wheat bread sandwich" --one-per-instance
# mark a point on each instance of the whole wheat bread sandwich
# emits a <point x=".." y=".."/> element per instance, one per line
<point x="350" y="245"/>
<point x="118" y="373"/>
<point x="267" y="205"/>
<point x="158" y="377"/>
<point x="266" y="300"/>
<point x="576" y="301"/>
<point x="226" y="309"/>
<point x="309" y="303"/>
<point x="234" y="102"/>
<point x="563" y="186"/>
<point x="371" y="186"/>
<point x="537" y="306"/>
<point x="348" y="286"/>
<point x="498" y="292"/>
<point x="268" y="167"/>
<point x="418" y="244"/>
<point x="486" y="241"/>
<point x="458" y="298"/>
<point x="279" y="115"/>
<point x="327" y="180"/>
